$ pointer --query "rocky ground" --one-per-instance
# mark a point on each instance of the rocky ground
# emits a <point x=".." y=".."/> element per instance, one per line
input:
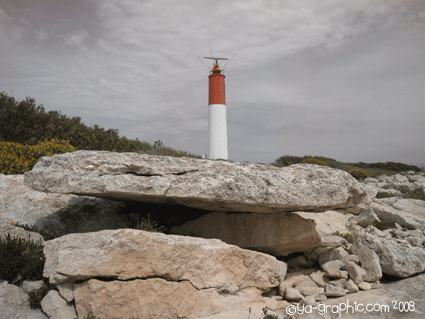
<point x="302" y="237"/>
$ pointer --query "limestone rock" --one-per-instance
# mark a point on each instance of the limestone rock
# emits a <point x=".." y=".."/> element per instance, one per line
<point x="307" y="283"/>
<point x="408" y="213"/>
<point x="357" y="274"/>
<point x="333" y="241"/>
<point x="14" y="303"/>
<point x="278" y="234"/>
<point x="157" y="298"/>
<point x="7" y="229"/>
<point x="30" y="286"/>
<point x="56" y="307"/>
<point x="309" y="300"/>
<point x="348" y="285"/>
<point x="395" y="259"/>
<point x="310" y="291"/>
<point x="333" y="264"/>
<point x="299" y="262"/>
<point x="405" y="290"/>
<point x="293" y="294"/>
<point x="365" y="286"/>
<point x="291" y="280"/>
<point x="334" y="273"/>
<point x="66" y="290"/>
<point x="334" y="291"/>
<point x="205" y="184"/>
<point x="20" y="204"/>
<point x="126" y="254"/>
<point x="366" y="217"/>
<point x="328" y="222"/>
<point x="319" y="278"/>
<point x="330" y="255"/>
<point x="58" y="213"/>
<point x="351" y="286"/>
<point x="369" y="261"/>
<point x="354" y="258"/>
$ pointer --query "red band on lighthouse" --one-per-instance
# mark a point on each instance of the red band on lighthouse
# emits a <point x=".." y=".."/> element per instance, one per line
<point x="217" y="94"/>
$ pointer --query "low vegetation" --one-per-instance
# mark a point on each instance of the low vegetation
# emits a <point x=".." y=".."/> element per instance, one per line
<point x="347" y="236"/>
<point x="16" y="158"/>
<point x="146" y="224"/>
<point x="20" y="259"/>
<point x="47" y="233"/>
<point x="358" y="174"/>
<point x="311" y="160"/>
<point x="371" y="169"/>
<point x="415" y="194"/>
<point x="28" y="132"/>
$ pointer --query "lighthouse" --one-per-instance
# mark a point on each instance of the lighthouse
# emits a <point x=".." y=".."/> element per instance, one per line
<point x="217" y="122"/>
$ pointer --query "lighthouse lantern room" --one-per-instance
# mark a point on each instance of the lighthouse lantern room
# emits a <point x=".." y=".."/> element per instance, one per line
<point x="217" y="122"/>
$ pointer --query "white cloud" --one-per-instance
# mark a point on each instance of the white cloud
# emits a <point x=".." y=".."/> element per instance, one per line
<point x="76" y="39"/>
<point x="42" y="36"/>
<point x="11" y="30"/>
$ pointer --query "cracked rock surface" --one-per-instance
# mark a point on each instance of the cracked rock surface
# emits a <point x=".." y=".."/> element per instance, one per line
<point x="198" y="183"/>
<point x="127" y="254"/>
<point x="136" y="273"/>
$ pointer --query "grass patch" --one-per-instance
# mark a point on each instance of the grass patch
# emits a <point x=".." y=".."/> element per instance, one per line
<point x="415" y="194"/>
<point x="347" y="236"/>
<point x="383" y="225"/>
<point x="46" y="233"/>
<point x="385" y="195"/>
<point x="372" y="169"/>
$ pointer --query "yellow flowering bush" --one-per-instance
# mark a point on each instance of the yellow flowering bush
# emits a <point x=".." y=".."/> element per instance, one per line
<point x="17" y="158"/>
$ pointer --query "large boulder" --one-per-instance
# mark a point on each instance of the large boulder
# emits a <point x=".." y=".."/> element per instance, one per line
<point x="157" y="298"/>
<point x="204" y="184"/>
<point x="21" y="204"/>
<point x="56" y="214"/>
<point x="135" y="273"/>
<point x="15" y="303"/>
<point x="278" y="234"/>
<point x="409" y="213"/>
<point x="126" y="254"/>
<point x="396" y="259"/>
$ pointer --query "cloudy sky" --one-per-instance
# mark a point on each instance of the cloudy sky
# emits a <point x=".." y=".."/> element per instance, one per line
<point x="337" y="78"/>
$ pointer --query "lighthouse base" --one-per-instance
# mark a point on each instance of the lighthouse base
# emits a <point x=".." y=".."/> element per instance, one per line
<point x="217" y="132"/>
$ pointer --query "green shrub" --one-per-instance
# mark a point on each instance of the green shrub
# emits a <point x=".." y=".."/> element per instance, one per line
<point x="158" y="148"/>
<point x="311" y="160"/>
<point x="21" y="259"/>
<point x="383" y="225"/>
<point x="17" y="158"/>
<point x="146" y="224"/>
<point x="48" y="234"/>
<point x="389" y="166"/>
<point x="26" y="123"/>
<point x="358" y="174"/>
<point x="384" y="195"/>
<point x="418" y="193"/>
<point x="347" y="236"/>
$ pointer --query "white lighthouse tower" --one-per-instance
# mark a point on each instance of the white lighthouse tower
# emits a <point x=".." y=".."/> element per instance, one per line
<point x="217" y="122"/>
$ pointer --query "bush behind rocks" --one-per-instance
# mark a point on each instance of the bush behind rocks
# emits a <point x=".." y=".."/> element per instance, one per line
<point x="20" y="259"/>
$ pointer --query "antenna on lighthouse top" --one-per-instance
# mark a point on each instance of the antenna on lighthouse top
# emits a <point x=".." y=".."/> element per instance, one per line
<point x="216" y="66"/>
<point x="209" y="57"/>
